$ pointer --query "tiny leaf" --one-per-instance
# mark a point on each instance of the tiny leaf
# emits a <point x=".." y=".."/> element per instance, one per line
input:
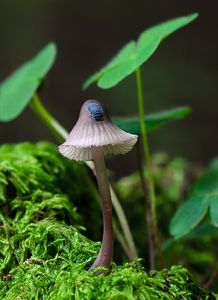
<point x="17" y="90"/>
<point x="153" y="121"/>
<point x="189" y="215"/>
<point x="135" y="53"/>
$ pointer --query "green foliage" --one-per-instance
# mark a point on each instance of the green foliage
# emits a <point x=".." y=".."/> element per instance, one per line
<point x="173" y="178"/>
<point x="204" y="195"/>
<point x="135" y="53"/>
<point x="189" y="215"/>
<point x="214" y="210"/>
<point x="17" y="90"/>
<point x="198" y="253"/>
<point x="153" y="121"/>
<point x="169" y="178"/>
<point x="42" y="256"/>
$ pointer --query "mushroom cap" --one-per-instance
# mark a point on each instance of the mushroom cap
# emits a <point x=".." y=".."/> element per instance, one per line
<point x="94" y="129"/>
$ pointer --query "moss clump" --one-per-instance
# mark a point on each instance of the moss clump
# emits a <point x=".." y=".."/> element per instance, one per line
<point x="65" y="277"/>
<point x="33" y="179"/>
<point x="42" y="253"/>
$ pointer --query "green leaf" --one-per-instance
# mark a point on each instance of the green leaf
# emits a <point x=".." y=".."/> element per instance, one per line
<point x="17" y="90"/>
<point x="153" y="121"/>
<point x="189" y="215"/>
<point x="135" y="53"/>
<point x="205" y="190"/>
<point x="214" y="210"/>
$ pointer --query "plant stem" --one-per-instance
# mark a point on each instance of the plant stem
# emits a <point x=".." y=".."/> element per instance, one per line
<point x="61" y="134"/>
<point x="144" y="136"/>
<point x="58" y="131"/>
<point x="105" y="255"/>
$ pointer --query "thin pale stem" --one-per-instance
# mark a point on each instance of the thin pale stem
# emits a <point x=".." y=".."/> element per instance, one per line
<point x="61" y="134"/>
<point x="152" y="196"/>
<point x="105" y="255"/>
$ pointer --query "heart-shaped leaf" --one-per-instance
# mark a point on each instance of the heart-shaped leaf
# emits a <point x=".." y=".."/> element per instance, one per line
<point x="135" y="53"/>
<point x="153" y="121"/>
<point x="17" y="90"/>
<point x="204" y="195"/>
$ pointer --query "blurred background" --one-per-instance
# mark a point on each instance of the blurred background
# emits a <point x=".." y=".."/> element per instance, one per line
<point x="88" y="33"/>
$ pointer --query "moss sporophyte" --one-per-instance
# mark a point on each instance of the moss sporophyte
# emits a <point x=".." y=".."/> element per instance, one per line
<point x="95" y="137"/>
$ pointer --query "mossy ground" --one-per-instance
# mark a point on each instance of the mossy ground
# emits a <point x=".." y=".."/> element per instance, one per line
<point x="44" y="255"/>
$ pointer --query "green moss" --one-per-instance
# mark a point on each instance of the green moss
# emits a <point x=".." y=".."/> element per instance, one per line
<point x="43" y="255"/>
<point x="65" y="277"/>
<point x="33" y="179"/>
<point x="43" y="251"/>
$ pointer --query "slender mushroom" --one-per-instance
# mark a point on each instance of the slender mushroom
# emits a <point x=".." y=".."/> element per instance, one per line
<point x="95" y="137"/>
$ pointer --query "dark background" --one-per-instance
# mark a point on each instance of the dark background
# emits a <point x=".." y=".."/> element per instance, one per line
<point x="88" y="33"/>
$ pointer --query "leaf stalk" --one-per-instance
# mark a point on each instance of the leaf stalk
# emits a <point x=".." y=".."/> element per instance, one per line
<point x="150" y="181"/>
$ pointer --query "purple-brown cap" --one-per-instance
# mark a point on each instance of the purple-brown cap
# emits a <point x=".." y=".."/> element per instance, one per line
<point x="94" y="129"/>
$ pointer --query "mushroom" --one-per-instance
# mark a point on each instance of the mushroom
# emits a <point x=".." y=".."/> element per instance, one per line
<point x="93" y="138"/>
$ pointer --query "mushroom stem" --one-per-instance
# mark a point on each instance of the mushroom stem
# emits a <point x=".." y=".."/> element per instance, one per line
<point x="105" y="254"/>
